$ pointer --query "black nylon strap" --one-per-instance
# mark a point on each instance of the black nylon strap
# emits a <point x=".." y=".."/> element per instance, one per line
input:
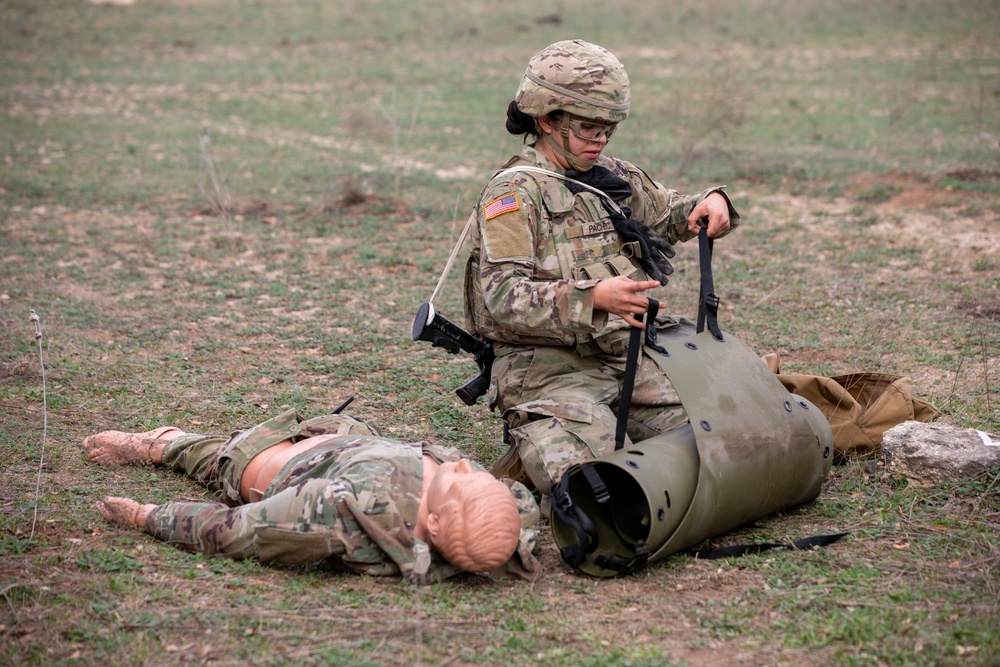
<point x="620" y="565"/>
<point x="744" y="549"/>
<point x="631" y="364"/>
<point x="577" y="520"/>
<point x="654" y="308"/>
<point x="597" y="484"/>
<point x="708" y="303"/>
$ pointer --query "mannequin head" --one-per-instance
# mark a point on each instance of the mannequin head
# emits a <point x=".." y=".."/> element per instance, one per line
<point x="472" y="519"/>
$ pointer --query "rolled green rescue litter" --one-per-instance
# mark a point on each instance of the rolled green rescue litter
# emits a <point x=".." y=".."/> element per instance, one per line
<point x="751" y="449"/>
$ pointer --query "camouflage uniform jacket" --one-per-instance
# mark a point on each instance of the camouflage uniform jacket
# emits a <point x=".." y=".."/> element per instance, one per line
<point x="538" y="249"/>
<point x="351" y="501"/>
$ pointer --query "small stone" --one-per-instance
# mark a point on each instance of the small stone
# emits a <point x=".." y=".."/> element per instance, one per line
<point x="926" y="454"/>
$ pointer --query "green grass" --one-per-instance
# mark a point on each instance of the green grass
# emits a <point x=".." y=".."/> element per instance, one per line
<point x="858" y="140"/>
<point x="877" y="607"/>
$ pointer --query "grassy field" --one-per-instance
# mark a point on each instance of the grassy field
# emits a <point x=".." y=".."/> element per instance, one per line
<point x="220" y="208"/>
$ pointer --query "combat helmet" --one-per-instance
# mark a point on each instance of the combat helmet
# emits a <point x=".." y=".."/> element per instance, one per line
<point x="578" y="77"/>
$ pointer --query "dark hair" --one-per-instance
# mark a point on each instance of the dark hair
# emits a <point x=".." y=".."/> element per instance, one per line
<point x="519" y="122"/>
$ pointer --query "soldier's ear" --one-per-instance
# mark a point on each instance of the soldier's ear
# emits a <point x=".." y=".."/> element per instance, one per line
<point x="547" y="123"/>
<point x="433" y="524"/>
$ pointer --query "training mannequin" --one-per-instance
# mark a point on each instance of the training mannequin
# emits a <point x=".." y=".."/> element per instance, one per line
<point x="296" y="491"/>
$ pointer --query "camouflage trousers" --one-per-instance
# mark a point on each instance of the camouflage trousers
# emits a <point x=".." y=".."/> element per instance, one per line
<point x="561" y="407"/>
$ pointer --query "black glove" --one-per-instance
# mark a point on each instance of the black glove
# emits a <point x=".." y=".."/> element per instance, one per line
<point x="655" y="249"/>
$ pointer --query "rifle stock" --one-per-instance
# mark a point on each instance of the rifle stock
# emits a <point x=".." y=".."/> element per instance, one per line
<point x="436" y="329"/>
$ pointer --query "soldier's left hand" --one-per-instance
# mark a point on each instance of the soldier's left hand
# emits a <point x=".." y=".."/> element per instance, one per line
<point x="713" y="210"/>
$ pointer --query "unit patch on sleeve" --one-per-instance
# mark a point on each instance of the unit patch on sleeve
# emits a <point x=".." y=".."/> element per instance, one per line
<point x="501" y="205"/>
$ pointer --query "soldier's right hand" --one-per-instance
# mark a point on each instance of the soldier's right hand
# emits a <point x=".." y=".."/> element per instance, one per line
<point x="622" y="296"/>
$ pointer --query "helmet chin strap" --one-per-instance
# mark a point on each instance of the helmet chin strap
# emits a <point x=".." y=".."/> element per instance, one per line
<point x="575" y="161"/>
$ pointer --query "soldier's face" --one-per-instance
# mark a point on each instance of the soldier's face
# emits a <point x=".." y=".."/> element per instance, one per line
<point x="584" y="138"/>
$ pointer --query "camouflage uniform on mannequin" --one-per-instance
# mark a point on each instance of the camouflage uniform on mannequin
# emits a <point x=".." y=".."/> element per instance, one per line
<point x="346" y="496"/>
<point x="558" y="270"/>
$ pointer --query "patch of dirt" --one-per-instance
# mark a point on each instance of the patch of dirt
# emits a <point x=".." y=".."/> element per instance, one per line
<point x="971" y="175"/>
<point x="987" y="309"/>
<point x="243" y="207"/>
<point x="907" y="211"/>
<point x="908" y="191"/>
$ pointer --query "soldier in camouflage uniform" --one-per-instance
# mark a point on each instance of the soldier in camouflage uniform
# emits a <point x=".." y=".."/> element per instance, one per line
<point x="567" y="243"/>
<point x="342" y="494"/>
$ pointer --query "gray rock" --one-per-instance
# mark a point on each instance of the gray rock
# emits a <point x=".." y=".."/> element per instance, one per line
<point x="929" y="453"/>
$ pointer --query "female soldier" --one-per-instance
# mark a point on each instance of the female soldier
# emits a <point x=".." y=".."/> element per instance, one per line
<point x="568" y="241"/>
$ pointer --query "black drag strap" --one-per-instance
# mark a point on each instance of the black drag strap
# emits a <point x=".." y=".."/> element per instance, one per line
<point x="635" y="342"/>
<point x="744" y="549"/>
<point x="585" y="535"/>
<point x="708" y="303"/>
<point x="584" y="530"/>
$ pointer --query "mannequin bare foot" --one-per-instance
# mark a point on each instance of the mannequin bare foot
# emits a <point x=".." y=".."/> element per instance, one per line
<point x="129" y="448"/>
<point x="124" y="511"/>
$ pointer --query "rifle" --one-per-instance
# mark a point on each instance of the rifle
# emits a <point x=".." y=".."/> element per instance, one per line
<point x="436" y="329"/>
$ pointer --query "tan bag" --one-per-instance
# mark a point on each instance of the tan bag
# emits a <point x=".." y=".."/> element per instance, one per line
<point x="859" y="406"/>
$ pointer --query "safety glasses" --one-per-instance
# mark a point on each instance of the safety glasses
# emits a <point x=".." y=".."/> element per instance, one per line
<point x="588" y="130"/>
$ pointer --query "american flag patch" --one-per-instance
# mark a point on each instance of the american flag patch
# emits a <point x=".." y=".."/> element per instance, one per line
<point x="504" y="204"/>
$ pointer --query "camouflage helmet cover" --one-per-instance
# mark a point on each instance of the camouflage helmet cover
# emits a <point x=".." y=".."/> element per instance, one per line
<point x="578" y="77"/>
